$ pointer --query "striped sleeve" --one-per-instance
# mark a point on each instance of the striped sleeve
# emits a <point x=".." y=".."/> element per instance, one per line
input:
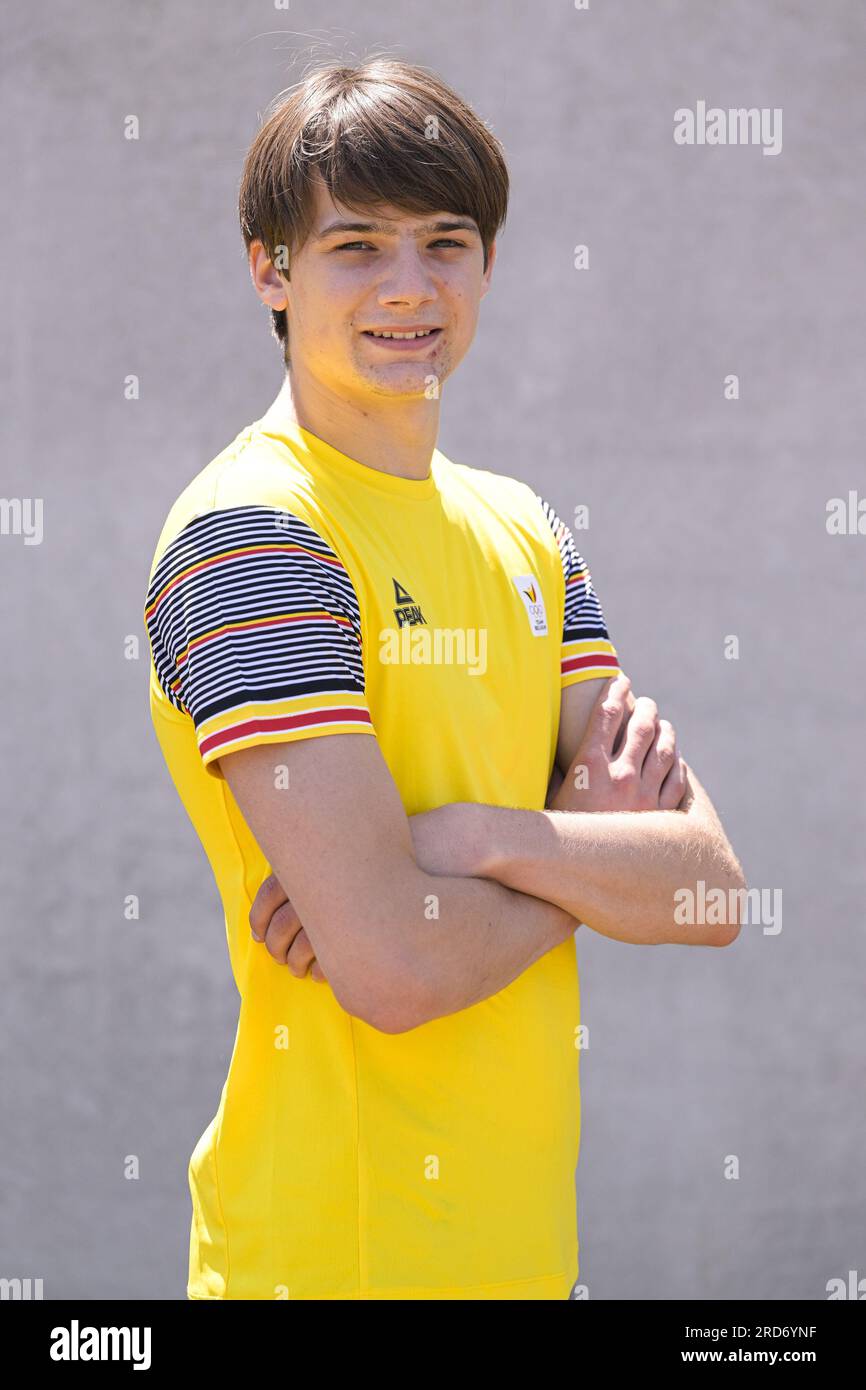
<point x="587" y="650"/>
<point x="255" y="632"/>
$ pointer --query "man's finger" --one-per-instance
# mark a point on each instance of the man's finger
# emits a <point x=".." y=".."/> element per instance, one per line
<point x="608" y="713"/>
<point x="301" y="955"/>
<point x="673" y="787"/>
<point x="269" y="897"/>
<point x="282" y="930"/>
<point x="640" y="734"/>
<point x="629" y="711"/>
<point x="661" y="756"/>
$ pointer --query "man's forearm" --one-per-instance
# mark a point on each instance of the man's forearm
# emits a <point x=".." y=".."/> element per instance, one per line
<point x="472" y="937"/>
<point x="616" y="871"/>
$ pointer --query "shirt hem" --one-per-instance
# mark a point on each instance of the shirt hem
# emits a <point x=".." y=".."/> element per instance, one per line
<point x="552" y="1286"/>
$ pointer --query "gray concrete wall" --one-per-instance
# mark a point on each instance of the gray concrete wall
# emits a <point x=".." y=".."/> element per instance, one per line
<point x="603" y="387"/>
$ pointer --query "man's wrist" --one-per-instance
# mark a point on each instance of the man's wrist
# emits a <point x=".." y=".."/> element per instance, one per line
<point x="498" y="842"/>
<point x="504" y="837"/>
<point x="480" y="831"/>
<point x="459" y="838"/>
<point x="504" y="841"/>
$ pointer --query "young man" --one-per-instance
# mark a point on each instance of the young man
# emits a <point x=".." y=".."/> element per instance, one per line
<point x="371" y="669"/>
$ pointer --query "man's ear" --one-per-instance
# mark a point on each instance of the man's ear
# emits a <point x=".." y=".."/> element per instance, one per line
<point x="267" y="280"/>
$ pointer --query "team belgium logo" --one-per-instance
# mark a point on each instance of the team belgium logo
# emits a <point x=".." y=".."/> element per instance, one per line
<point x="533" y="600"/>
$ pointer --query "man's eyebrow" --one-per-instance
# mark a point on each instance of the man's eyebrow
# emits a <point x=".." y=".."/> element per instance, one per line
<point x="447" y="224"/>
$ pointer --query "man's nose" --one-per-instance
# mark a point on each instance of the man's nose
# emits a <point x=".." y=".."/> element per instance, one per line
<point x="406" y="278"/>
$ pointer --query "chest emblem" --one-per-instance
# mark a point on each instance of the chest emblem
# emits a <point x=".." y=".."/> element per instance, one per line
<point x="529" y="590"/>
<point x="407" y="612"/>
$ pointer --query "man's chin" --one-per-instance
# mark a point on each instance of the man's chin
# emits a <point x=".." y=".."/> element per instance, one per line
<point x="410" y="385"/>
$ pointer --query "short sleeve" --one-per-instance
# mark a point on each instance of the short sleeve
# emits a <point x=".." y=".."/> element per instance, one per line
<point x="255" y="632"/>
<point x="587" y="650"/>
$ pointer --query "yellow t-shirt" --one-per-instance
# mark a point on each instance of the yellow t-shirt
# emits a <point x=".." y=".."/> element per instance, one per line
<point x="296" y="593"/>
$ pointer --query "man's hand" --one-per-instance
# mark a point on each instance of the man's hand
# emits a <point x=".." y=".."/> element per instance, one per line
<point x="274" y="922"/>
<point x="627" y="759"/>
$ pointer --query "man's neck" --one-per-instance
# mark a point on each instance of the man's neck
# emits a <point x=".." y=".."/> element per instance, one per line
<point x="397" y="437"/>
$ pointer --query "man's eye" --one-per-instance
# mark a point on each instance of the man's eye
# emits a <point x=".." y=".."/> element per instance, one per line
<point x="353" y="245"/>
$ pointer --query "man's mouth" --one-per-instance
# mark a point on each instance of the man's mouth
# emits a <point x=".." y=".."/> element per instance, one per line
<point x="401" y="336"/>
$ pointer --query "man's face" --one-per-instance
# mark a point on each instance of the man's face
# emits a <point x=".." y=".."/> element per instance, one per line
<point x="397" y="271"/>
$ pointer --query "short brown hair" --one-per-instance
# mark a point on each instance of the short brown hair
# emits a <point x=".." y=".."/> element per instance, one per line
<point x="379" y="132"/>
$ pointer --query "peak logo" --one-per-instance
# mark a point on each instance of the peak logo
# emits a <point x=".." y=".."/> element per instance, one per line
<point x="407" y="612"/>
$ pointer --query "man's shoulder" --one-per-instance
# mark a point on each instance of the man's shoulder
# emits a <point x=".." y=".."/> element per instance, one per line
<point x="247" y="475"/>
<point x="496" y="489"/>
<point x="515" y="503"/>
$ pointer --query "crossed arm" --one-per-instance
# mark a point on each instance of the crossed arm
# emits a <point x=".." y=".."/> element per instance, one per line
<point x="588" y="851"/>
<point x="410" y="920"/>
